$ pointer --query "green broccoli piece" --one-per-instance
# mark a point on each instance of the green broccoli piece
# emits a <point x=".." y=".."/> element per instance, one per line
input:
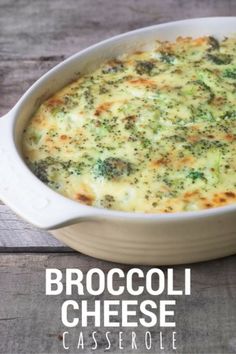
<point x="113" y="67"/>
<point x="214" y="44"/>
<point x="112" y="168"/>
<point x="167" y="58"/>
<point x="229" y="115"/>
<point x="230" y="73"/>
<point x="40" y="168"/>
<point x="206" y="88"/>
<point x="220" y="59"/>
<point x="144" y="67"/>
<point x="202" y="114"/>
<point x="198" y="88"/>
<point x="194" y="175"/>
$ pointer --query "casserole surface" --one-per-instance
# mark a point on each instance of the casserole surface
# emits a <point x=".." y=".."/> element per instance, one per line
<point x="153" y="131"/>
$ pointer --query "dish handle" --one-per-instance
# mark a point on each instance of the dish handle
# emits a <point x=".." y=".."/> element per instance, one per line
<point x="26" y="194"/>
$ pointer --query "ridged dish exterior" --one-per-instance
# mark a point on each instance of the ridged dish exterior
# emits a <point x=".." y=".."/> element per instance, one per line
<point x="152" y="243"/>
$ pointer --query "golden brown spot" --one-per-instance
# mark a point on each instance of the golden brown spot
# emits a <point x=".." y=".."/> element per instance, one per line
<point x="183" y="39"/>
<point x="191" y="194"/>
<point x="230" y="194"/>
<point x="172" y="160"/>
<point x="166" y="211"/>
<point x="54" y="102"/>
<point x="104" y="107"/>
<point x="208" y="205"/>
<point x="218" y="101"/>
<point x="216" y="199"/>
<point x="63" y="137"/>
<point x="219" y="199"/>
<point x="143" y="82"/>
<point x="184" y="161"/>
<point x="138" y="52"/>
<point x="166" y="47"/>
<point x="166" y="88"/>
<point x="230" y="137"/>
<point x="84" y="198"/>
<point x="130" y="118"/>
<point x="129" y="121"/>
<point x="193" y="138"/>
<point x="161" y="162"/>
<point x="200" y="41"/>
<point x="38" y="120"/>
<point x="114" y="62"/>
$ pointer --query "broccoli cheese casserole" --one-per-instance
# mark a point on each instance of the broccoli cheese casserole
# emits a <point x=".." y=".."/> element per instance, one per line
<point x="154" y="131"/>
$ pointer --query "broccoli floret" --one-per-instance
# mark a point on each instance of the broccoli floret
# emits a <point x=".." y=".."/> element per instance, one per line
<point x="167" y="58"/>
<point x="113" y="67"/>
<point x="199" y="89"/>
<point x="144" y="67"/>
<point x="206" y="88"/>
<point x="220" y="59"/>
<point x="112" y="168"/>
<point x="194" y="175"/>
<point x="214" y="44"/>
<point x="229" y="115"/>
<point x="230" y="73"/>
<point x="203" y="146"/>
<point x="40" y="168"/>
<point x="202" y="114"/>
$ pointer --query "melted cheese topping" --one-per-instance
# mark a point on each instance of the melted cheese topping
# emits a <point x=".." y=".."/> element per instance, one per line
<point x="154" y="131"/>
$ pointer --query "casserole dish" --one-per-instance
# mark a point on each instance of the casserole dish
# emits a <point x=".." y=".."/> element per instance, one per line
<point x="125" y="237"/>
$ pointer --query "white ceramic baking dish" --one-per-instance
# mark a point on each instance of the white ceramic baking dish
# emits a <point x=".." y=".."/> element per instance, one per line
<point x="136" y="238"/>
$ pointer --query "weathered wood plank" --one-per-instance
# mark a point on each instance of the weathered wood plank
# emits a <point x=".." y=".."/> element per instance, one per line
<point x="16" y="76"/>
<point x="30" y="321"/>
<point x="18" y="235"/>
<point x="62" y="27"/>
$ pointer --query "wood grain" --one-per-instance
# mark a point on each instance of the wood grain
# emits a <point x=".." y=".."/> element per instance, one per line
<point x="53" y="28"/>
<point x="16" y="235"/>
<point x="30" y="321"/>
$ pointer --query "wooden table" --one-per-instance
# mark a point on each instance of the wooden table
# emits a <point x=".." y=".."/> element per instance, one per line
<point x="34" y="36"/>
